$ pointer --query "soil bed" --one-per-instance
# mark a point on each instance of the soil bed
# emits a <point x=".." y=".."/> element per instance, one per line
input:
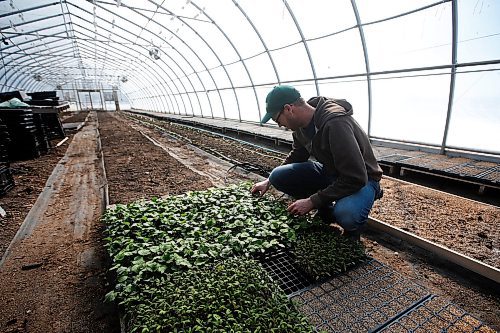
<point x="463" y="225"/>
<point x="136" y="169"/>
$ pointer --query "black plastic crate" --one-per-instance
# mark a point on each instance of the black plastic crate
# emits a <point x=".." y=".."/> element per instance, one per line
<point x="5" y="175"/>
<point x="52" y="125"/>
<point x="6" y="188"/>
<point x="20" y="94"/>
<point x="22" y="131"/>
<point x="43" y="95"/>
<point x="41" y="134"/>
<point x="43" y="102"/>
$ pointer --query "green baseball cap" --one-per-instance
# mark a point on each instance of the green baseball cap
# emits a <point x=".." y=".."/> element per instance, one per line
<point x="277" y="98"/>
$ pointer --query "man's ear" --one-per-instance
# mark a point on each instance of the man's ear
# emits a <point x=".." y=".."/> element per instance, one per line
<point x="289" y="108"/>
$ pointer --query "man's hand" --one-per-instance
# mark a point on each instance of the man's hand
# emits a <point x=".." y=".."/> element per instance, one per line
<point x="301" y="207"/>
<point x="261" y="187"/>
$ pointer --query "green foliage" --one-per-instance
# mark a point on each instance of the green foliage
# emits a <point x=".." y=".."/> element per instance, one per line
<point x="182" y="262"/>
<point x="154" y="244"/>
<point x="322" y="253"/>
<point x="234" y="295"/>
<point x="197" y="228"/>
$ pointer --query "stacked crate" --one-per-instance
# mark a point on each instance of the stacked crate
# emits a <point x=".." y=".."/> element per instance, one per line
<point x="6" y="180"/>
<point x="24" y="142"/>
<point x="49" y="123"/>
<point x="43" y="98"/>
<point x="41" y="133"/>
<point x="19" y="94"/>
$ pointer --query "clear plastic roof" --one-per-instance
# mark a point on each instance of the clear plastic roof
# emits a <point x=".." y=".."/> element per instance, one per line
<point x="415" y="71"/>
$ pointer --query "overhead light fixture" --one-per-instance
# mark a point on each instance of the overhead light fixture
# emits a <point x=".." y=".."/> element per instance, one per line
<point x="154" y="53"/>
<point x="4" y="40"/>
<point x="124" y="79"/>
<point x="37" y="77"/>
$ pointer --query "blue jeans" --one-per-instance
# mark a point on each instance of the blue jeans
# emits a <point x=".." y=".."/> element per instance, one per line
<point x="301" y="180"/>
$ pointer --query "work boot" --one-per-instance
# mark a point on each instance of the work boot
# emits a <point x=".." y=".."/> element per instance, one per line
<point x="325" y="214"/>
<point x="354" y="235"/>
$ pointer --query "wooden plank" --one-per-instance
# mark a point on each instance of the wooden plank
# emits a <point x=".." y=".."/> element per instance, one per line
<point x="462" y="260"/>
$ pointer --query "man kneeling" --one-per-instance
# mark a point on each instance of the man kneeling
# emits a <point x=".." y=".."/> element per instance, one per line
<point x="344" y="180"/>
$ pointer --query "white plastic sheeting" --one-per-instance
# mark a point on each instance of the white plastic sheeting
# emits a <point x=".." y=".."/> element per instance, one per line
<point x="415" y="71"/>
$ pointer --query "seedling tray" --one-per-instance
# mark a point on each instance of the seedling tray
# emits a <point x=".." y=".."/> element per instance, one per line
<point x="477" y="173"/>
<point x="369" y="298"/>
<point x="468" y="170"/>
<point x="283" y="270"/>
<point x="492" y="175"/>
<point x="359" y="300"/>
<point x="443" y="163"/>
<point x="394" y="158"/>
<point x="435" y="314"/>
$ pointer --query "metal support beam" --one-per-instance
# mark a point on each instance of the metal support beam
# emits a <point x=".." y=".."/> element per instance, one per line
<point x="454" y="6"/>
<point x="367" y="64"/>
<point x="17" y="12"/>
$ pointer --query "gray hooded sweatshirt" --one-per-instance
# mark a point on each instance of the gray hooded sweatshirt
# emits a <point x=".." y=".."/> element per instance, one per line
<point x="341" y="145"/>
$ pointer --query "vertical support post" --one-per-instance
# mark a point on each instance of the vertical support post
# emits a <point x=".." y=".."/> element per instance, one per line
<point x="367" y="65"/>
<point x="102" y="100"/>
<point x="117" y="102"/>
<point x="105" y="107"/>
<point x="453" y="73"/>
<point x="79" y="99"/>
<point x="91" y="104"/>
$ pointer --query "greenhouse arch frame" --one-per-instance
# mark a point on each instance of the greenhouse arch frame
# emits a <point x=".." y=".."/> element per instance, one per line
<point x="421" y="74"/>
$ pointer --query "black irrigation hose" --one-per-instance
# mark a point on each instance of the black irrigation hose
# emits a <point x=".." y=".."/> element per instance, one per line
<point x="251" y="167"/>
<point x="243" y="142"/>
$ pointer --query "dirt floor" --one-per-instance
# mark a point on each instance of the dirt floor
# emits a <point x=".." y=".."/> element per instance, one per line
<point x="54" y="271"/>
<point x="29" y="177"/>
<point x="460" y="224"/>
<point x="142" y="165"/>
